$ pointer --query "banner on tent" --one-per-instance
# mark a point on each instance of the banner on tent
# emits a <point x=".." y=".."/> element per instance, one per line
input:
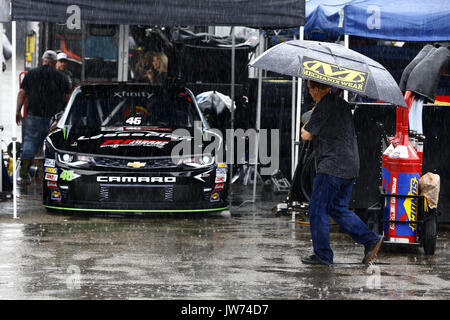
<point x="268" y="13"/>
<point x="5" y="10"/>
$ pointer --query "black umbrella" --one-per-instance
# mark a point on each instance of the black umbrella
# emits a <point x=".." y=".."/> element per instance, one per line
<point x="332" y="64"/>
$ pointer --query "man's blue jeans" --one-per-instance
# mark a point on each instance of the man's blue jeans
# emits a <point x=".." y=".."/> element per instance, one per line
<point x="35" y="131"/>
<point x="331" y="196"/>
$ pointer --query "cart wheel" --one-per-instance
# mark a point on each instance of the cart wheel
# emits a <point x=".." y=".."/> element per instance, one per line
<point x="429" y="234"/>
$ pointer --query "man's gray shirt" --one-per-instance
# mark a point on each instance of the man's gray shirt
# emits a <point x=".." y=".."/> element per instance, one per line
<point x="334" y="138"/>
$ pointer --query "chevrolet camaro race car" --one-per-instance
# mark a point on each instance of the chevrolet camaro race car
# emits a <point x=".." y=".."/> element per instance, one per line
<point x="113" y="151"/>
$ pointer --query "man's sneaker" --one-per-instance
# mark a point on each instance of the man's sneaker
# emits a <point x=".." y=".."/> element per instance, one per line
<point x="23" y="181"/>
<point x="370" y="252"/>
<point x="314" y="260"/>
<point x="23" y="172"/>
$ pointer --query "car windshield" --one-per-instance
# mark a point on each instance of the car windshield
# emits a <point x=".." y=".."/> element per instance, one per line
<point x="125" y="109"/>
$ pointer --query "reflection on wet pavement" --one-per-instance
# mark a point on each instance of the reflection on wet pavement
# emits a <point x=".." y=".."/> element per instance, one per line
<point x="250" y="254"/>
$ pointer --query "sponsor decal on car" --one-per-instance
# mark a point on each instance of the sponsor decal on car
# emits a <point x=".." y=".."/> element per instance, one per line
<point x="215" y="196"/>
<point x="56" y="195"/>
<point x="51" y="170"/>
<point x="49" y="162"/>
<point x="136" y="164"/>
<point x="146" y="134"/>
<point x="51" y="177"/>
<point x="52" y="184"/>
<point x="122" y="94"/>
<point x="222" y="165"/>
<point x="221" y="171"/>
<point x="221" y="175"/>
<point x="128" y="179"/>
<point x="202" y="175"/>
<point x="220" y="179"/>
<point x="219" y="186"/>
<point x="69" y="175"/>
<point x="115" y="143"/>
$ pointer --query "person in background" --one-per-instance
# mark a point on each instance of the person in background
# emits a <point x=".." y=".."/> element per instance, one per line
<point x="158" y="73"/>
<point x="47" y="91"/>
<point x="61" y="65"/>
<point x="6" y="179"/>
<point x="332" y="132"/>
<point x="144" y="63"/>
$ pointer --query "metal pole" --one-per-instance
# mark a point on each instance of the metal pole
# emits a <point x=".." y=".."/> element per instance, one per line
<point x="293" y="163"/>
<point x="346" y="44"/>
<point x="1" y="128"/>
<point x="232" y="93"/>
<point x="1" y="41"/>
<point x="126" y="47"/>
<point x="122" y="73"/>
<point x="120" y="55"/>
<point x="299" y="108"/>
<point x="14" y="94"/>
<point x="83" y="52"/>
<point x="293" y="157"/>
<point x="1" y="166"/>
<point x="258" y="117"/>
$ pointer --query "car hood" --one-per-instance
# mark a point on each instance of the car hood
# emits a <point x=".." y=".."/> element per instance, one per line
<point x="126" y="142"/>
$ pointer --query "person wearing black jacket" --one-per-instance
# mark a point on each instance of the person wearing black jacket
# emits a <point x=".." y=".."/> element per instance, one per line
<point x="332" y="132"/>
<point x="47" y="91"/>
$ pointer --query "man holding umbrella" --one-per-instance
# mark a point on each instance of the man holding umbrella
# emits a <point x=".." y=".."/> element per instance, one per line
<point x="332" y="132"/>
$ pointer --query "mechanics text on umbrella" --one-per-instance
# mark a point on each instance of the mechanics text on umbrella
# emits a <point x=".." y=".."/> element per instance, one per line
<point x="332" y="74"/>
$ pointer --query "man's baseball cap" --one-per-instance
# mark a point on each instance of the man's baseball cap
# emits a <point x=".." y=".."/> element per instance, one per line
<point x="50" y="55"/>
<point x="62" y="56"/>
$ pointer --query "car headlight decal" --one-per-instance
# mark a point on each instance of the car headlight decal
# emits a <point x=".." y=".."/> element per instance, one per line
<point x="196" y="161"/>
<point x="75" y="160"/>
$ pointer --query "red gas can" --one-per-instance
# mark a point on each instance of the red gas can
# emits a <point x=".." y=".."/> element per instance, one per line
<point x="402" y="167"/>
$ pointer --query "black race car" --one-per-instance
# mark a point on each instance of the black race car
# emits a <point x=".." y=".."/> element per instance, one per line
<point x="133" y="148"/>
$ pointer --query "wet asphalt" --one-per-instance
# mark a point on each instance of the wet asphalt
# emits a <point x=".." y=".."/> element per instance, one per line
<point x="247" y="253"/>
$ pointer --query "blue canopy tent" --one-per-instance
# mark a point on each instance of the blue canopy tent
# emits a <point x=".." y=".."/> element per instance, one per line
<point x="406" y="20"/>
<point x="403" y="20"/>
<point x="323" y="19"/>
<point x="400" y="20"/>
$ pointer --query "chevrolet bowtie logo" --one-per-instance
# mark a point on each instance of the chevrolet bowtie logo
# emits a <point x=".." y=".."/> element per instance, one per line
<point x="136" y="164"/>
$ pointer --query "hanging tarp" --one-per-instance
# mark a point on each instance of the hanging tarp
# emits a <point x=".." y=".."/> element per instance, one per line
<point x="324" y="19"/>
<point x="405" y="20"/>
<point x="5" y="14"/>
<point x="270" y="13"/>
